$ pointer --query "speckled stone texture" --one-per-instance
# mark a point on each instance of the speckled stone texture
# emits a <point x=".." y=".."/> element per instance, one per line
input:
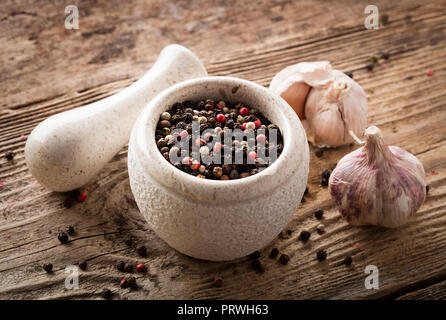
<point x="67" y="150"/>
<point x="211" y="219"/>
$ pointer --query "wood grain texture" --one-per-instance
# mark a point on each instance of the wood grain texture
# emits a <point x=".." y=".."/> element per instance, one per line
<point x="46" y="69"/>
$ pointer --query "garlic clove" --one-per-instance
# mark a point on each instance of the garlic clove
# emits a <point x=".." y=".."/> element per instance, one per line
<point x="335" y="109"/>
<point x="294" y="82"/>
<point x="295" y="95"/>
<point x="377" y="184"/>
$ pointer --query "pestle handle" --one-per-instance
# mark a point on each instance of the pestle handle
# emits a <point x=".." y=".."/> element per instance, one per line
<point x="67" y="150"/>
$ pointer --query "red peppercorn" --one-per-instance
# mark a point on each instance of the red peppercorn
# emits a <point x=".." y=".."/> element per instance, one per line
<point x="252" y="155"/>
<point x="430" y="72"/>
<point x="184" y="134"/>
<point x="81" y="197"/>
<point x="217" y="147"/>
<point x="220" y="118"/>
<point x="187" y="161"/>
<point x="123" y="283"/>
<point x="218" y="106"/>
<point x="209" y="107"/>
<point x="140" y="267"/>
<point x="244" y="111"/>
<point x="218" y="282"/>
<point x="261" y="138"/>
<point x="199" y="142"/>
<point x="257" y="123"/>
<point x="244" y="126"/>
<point x="195" y="165"/>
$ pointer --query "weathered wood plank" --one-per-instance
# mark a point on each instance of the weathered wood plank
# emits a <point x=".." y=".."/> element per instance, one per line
<point x="407" y="105"/>
<point x="434" y="292"/>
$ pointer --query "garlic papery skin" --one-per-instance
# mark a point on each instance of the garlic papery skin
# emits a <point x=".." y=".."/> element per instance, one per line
<point x="378" y="184"/>
<point x="334" y="109"/>
<point x="294" y="82"/>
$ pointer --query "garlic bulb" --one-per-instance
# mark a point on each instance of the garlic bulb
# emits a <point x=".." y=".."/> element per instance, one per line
<point x="378" y="184"/>
<point x="294" y="82"/>
<point x="335" y="109"/>
<point x="329" y="103"/>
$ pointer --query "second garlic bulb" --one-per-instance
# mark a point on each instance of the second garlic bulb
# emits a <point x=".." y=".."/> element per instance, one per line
<point x="329" y="103"/>
<point x="333" y="110"/>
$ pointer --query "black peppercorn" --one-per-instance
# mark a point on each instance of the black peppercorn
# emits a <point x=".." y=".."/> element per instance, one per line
<point x="321" y="255"/>
<point x="284" y="258"/>
<point x="234" y="174"/>
<point x="9" y="155"/>
<point x="207" y="174"/>
<point x="120" y="266"/>
<point x="226" y="168"/>
<point x="161" y="143"/>
<point x="348" y="260"/>
<point x="325" y="177"/>
<point x="107" y="294"/>
<point x="257" y="266"/>
<point x="369" y="66"/>
<point x="304" y="236"/>
<point x="83" y="265"/>
<point x="128" y="267"/>
<point x="384" y="18"/>
<point x="274" y="253"/>
<point x="164" y="150"/>
<point x="164" y="124"/>
<point x="142" y="251"/>
<point x="255" y="255"/>
<point x="319" y="152"/>
<point x="319" y="213"/>
<point x="63" y="237"/>
<point x="68" y="202"/>
<point x="217" y="172"/>
<point x="70" y="230"/>
<point x="48" y="267"/>
<point x="128" y="241"/>
<point x="132" y="282"/>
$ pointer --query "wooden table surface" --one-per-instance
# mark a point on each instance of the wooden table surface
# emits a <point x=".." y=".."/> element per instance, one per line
<point x="46" y="69"/>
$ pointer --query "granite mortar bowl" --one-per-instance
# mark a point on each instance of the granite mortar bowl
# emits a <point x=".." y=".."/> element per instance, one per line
<point x="214" y="219"/>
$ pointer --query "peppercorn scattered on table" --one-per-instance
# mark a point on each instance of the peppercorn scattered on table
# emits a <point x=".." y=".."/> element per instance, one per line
<point x="48" y="69"/>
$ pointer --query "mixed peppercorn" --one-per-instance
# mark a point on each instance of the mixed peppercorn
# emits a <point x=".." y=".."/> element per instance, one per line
<point x="217" y="140"/>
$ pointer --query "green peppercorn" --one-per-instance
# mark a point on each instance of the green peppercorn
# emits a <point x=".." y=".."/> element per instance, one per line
<point x="166" y="131"/>
<point x="165" y="116"/>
